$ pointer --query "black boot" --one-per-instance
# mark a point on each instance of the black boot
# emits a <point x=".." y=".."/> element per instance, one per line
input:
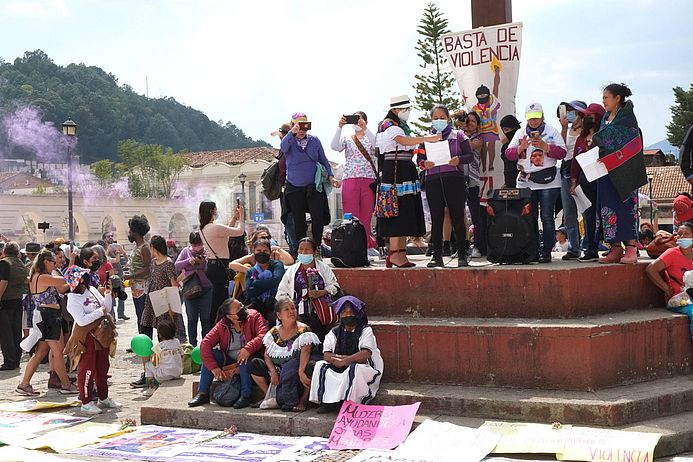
<point x="462" y="260"/>
<point x="141" y="383"/>
<point x="446" y="249"/>
<point x="198" y="400"/>
<point x="436" y="261"/>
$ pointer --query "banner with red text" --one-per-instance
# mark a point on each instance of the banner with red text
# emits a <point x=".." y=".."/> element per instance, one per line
<point x="486" y="65"/>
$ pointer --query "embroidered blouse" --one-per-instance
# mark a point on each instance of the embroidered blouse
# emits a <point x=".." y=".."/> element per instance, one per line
<point x="282" y="350"/>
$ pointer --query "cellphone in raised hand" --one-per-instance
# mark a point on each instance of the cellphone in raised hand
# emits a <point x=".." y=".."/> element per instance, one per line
<point x="352" y="119"/>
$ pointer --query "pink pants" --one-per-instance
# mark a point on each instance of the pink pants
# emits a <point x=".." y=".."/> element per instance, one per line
<point x="359" y="200"/>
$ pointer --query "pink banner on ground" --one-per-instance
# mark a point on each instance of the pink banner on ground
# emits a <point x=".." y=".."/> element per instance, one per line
<point x="360" y="426"/>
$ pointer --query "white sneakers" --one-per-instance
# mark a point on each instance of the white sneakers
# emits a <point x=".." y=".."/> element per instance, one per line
<point x="108" y="403"/>
<point x="91" y="409"/>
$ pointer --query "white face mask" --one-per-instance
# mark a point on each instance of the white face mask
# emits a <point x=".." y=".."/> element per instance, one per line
<point x="357" y="128"/>
<point x="404" y="114"/>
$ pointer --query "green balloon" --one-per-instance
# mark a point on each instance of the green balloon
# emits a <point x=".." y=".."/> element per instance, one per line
<point x="141" y="345"/>
<point x="195" y="355"/>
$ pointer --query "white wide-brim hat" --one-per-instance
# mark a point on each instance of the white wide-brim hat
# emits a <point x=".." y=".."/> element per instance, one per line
<point x="400" y="102"/>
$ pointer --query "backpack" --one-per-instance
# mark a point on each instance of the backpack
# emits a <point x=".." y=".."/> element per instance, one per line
<point x="349" y="245"/>
<point x="271" y="183"/>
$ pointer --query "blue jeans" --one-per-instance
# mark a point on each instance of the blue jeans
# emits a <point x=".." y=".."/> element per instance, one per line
<point x="570" y="215"/>
<point x="685" y="310"/>
<point x="199" y="308"/>
<point x="222" y="360"/>
<point x="543" y="206"/>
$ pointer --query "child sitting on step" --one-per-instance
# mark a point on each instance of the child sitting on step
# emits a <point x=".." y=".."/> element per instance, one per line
<point x="166" y="362"/>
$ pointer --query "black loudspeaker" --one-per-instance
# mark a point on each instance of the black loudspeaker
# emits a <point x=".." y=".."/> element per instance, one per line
<point x="511" y="237"/>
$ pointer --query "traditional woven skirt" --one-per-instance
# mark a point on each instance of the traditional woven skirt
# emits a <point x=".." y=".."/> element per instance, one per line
<point x="410" y="221"/>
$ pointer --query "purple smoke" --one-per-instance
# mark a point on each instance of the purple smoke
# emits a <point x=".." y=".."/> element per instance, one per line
<point x="25" y="128"/>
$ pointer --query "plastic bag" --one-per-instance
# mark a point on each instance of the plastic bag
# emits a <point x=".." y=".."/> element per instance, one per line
<point x="679" y="300"/>
<point x="270" y="401"/>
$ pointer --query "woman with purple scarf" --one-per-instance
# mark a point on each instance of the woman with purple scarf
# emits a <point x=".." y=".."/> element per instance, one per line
<point x="446" y="186"/>
<point x="352" y="366"/>
<point x="191" y="263"/>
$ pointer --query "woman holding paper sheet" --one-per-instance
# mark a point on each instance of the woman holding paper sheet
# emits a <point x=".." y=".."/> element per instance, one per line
<point x="620" y="150"/>
<point x="162" y="275"/>
<point x="396" y="148"/>
<point x="591" y="119"/>
<point x="446" y="186"/>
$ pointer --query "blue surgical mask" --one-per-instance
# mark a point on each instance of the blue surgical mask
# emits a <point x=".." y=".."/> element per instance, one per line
<point x="684" y="242"/>
<point x="571" y="116"/>
<point x="439" y="125"/>
<point x="305" y="258"/>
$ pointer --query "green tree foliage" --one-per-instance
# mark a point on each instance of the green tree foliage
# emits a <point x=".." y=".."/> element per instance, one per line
<point x="681" y="115"/>
<point x="436" y="83"/>
<point x="103" y="171"/>
<point x="107" y="112"/>
<point x="151" y="169"/>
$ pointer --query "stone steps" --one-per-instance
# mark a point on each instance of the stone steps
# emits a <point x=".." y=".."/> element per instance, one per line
<point x="559" y="290"/>
<point x="582" y="354"/>
<point x="662" y="406"/>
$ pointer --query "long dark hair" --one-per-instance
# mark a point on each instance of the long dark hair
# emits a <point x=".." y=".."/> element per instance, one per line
<point x="619" y="89"/>
<point x="206" y="212"/>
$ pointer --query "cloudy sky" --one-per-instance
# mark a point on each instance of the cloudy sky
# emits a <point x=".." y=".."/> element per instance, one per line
<point x="257" y="62"/>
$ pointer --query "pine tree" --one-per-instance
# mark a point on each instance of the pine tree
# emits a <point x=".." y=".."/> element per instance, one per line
<point x="681" y="115"/>
<point x="436" y="84"/>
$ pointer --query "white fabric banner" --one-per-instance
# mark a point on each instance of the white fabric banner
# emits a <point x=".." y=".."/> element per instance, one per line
<point x="486" y="61"/>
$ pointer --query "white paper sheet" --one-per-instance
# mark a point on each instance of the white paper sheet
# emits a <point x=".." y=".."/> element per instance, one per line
<point x="438" y="153"/>
<point x="164" y="299"/>
<point x="441" y="442"/>
<point x="581" y="200"/>
<point x="591" y="168"/>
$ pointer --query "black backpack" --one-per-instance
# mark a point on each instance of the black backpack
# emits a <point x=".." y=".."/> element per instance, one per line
<point x="349" y="245"/>
<point x="271" y="183"/>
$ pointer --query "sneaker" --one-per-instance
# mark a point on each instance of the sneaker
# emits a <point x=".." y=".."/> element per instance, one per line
<point x="141" y="383"/>
<point x="71" y="389"/>
<point x="570" y="256"/>
<point x="26" y="390"/>
<point x="373" y="253"/>
<point x="108" y="403"/>
<point x="91" y="409"/>
<point x="476" y="253"/>
<point x="124" y="318"/>
<point x="149" y="391"/>
<point x="589" y="257"/>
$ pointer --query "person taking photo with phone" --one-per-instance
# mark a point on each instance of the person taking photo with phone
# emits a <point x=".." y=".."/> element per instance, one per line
<point x="360" y="170"/>
<point x="308" y="178"/>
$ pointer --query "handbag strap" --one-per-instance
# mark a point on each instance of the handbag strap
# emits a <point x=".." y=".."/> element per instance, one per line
<point x="363" y="152"/>
<point x="210" y="247"/>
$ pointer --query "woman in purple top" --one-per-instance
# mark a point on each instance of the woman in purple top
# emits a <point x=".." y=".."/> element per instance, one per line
<point x="447" y="187"/>
<point x="192" y="261"/>
<point x="306" y="190"/>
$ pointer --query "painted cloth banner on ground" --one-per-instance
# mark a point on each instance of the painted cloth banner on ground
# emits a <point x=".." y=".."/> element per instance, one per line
<point x="18" y="426"/>
<point x="66" y="439"/>
<point x="154" y="443"/>
<point x="35" y="405"/>
<point x="361" y="426"/>
<point x="442" y="442"/>
<point x="486" y="65"/>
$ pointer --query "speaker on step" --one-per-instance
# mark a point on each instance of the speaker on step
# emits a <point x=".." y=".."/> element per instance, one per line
<point x="510" y="230"/>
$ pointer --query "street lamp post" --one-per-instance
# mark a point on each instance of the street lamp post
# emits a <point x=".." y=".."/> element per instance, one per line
<point x="650" y="177"/>
<point x="242" y="178"/>
<point x="70" y="130"/>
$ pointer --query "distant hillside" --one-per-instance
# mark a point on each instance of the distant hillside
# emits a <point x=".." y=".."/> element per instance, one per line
<point x="666" y="148"/>
<point x="107" y="112"/>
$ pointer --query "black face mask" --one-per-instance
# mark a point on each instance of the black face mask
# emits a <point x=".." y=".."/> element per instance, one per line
<point x="95" y="265"/>
<point x="483" y="100"/>
<point x="588" y="124"/>
<point x="242" y="314"/>
<point x="349" y="321"/>
<point x="262" y="257"/>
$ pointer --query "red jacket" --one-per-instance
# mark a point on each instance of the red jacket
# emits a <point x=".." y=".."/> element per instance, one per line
<point x="253" y="329"/>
